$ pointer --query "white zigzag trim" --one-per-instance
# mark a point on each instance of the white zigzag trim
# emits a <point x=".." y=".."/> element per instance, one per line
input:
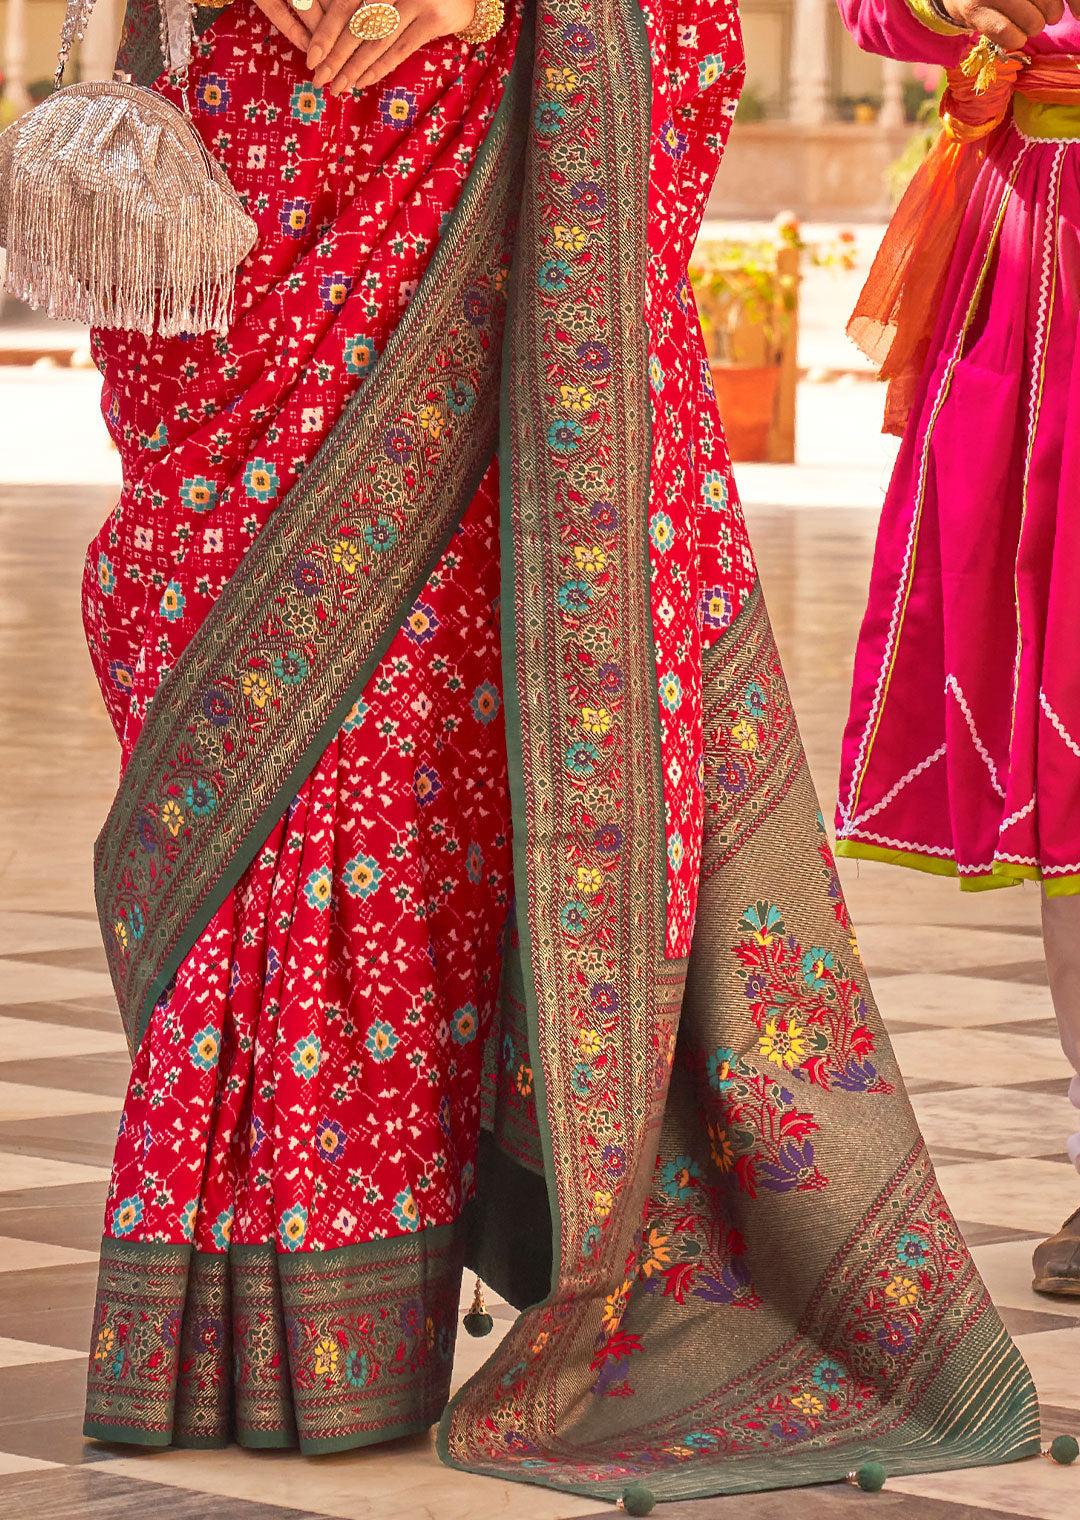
<point x="1020" y="813"/>
<point x="890" y="796"/>
<point x="1056" y="721"/>
<point x="953" y="685"/>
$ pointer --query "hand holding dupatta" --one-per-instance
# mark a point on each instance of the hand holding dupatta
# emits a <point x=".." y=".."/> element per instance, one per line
<point x="342" y="63"/>
<point x="1008" y="23"/>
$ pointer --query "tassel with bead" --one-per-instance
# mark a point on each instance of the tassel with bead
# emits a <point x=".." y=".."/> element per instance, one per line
<point x="981" y="64"/>
<point x="1063" y="1450"/>
<point x="637" y="1500"/>
<point x="870" y="1477"/>
<point x="478" y="1321"/>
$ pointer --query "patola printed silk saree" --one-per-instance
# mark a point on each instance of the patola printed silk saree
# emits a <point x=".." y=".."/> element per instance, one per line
<point x="465" y="893"/>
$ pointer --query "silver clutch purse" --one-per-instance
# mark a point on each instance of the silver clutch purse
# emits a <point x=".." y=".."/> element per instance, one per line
<point x="112" y="211"/>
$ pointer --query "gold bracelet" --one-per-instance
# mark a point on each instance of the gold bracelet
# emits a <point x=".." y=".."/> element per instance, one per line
<point x="487" y="21"/>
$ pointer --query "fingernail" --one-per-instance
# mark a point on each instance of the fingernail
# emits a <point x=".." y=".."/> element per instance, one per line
<point x="320" y="76"/>
<point x="315" y="55"/>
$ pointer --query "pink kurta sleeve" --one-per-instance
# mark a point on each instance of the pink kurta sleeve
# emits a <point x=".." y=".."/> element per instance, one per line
<point x="904" y="29"/>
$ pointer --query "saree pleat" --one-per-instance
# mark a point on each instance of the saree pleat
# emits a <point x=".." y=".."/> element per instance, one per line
<point x="634" y="1072"/>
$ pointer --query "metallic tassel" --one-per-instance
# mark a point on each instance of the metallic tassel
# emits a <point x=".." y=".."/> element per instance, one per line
<point x="113" y="212"/>
<point x="981" y="64"/>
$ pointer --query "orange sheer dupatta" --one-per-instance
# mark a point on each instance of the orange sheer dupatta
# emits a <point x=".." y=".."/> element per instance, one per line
<point x="893" y="321"/>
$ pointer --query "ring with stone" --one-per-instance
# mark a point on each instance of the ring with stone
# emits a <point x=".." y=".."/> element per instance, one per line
<point x="302" y="5"/>
<point x="374" y="21"/>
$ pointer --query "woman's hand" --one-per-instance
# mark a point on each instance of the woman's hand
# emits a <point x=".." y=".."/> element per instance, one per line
<point x="296" y="25"/>
<point x="343" y="63"/>
<point x="1009" y="23"/>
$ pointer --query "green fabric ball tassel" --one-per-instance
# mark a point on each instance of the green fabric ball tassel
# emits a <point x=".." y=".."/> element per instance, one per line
<point x="1064" y="1449"/>
<point x="478" y="1321"/>
<point x="637" y="1500"/>
<point x="869" y="1477"/>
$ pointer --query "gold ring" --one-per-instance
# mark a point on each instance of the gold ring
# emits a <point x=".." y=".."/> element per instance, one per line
<point x="374" y="21"/>
<point x="302" y="5"/>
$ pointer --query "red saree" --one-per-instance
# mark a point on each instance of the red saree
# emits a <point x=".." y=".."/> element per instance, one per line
<point x="465" y="893"/>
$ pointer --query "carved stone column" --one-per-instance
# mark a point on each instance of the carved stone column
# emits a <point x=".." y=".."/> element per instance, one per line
<point x="810" y="91"/>
<point x="15" y="55"/>
<point x="893" y="75"/>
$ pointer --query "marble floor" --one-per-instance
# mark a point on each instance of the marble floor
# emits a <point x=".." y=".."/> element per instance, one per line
<point x="960" y="980"/>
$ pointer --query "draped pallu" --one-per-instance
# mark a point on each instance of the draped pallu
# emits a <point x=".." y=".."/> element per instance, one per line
<point x="698" y="1178"/>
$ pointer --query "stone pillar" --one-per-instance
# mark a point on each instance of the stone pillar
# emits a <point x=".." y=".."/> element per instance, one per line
<point x="810" y="92"/>
<point x="15" y="55"/>
<point x="97" y="51"/>
<point x="893" y="75"/>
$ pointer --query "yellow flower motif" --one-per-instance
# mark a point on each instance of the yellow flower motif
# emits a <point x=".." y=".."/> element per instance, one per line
<point x="784" y="1044"/>
<point x="432" y="420"/>
<point x="589" y="879"/>
<point x="120" y="929"/>
<point x="103" y="1346"/>
<point x="615" y="1307"/>
<point x="602" y="1203"/>
<point x="576" y="398"/>
<point x="809" y="1403"/>
<point x="568" y="239"/>
<point x="596" y="720"/>
<point x="904" y="1291"/>
<point x="723" y="1152"/>
<point x="744" y="735"/>
<point x="590" y="559"/>
<point x="659" y="1253"/>
<point x="256" y="687"/>
<point x="346" y="553"/>
<point x="501" y="279"/>
<point x="540" y="1342"/>
<point x="560" y="80"/>
<point x="523" y="1080"/>
<point x="172" y="818"/>
<point x="591" y="1042"/>
<point x="326" y="1357"/>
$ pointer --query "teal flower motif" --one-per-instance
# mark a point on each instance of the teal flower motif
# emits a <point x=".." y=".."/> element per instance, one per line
<point x="291" y="667"/>
<point x="679" y="1176"/>
<point x="157" y="440"/>
<point x="126" y="1215"/>
<point x="173" y="602"/>
<point x="719" y="1069"/>
<point x="306" y="1056"/>
<point x="357" y="1369"/>
<point x="575" y="597"/>
<point x="460" y="397"/>
<point x="574" y="917"/>
<point x="106" y="575"/>
<point x="474" y="864"/>
<point x="319" y="888"/>
<point x="549" y="118"/>
<point x="355" y="716"/>
<point x="380" y="535"/>
<point x="360" y="355"/>
<point x="661" y="531"/>
<point x="911" y="1249"/>
<point x="709" y="70"/>
<point x="381" y="1040"/>
<point x="308" y="103"/>
<point x="582" y="758"/>
<point x="485" y="702"/>
<point x="405" y="1211"/>
<point x="464" y="1024"/>
<point x="260" y="480"/>
<point x="656" y="374"/>
<point x="205" y="1048"/>
<point x="715" y="490"/>
<point x="581" y="1080"/>
<point x="676" y="851"/>
<point x="201" y="799"/>
<point x="292" y="1227"/>
<point x="829" y="1374"/>
<point x="186" y="1219"/>
<point x="221" y="1229"/>
<point x="762" y="920"/>
<point x="554" y="276"/>
<point x="815" y="963"/>
<point x="198" y="493"/>
<point x="671" y="693"/>
<point x="362" y="876"/>
<point x="755" y="700"/>
<point x="564" y="436"/>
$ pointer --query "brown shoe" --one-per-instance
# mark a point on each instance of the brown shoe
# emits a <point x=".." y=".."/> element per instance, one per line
<point x="1057" y="1261"/>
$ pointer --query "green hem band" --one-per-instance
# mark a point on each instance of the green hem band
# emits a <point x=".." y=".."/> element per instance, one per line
<point x="1003" y="874"/>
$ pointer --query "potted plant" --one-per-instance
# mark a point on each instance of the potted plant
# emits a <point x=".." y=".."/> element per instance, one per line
<point x="747" y="296"/>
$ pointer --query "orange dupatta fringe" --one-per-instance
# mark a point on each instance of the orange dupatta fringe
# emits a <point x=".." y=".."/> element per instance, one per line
<point x="893" y="321"/>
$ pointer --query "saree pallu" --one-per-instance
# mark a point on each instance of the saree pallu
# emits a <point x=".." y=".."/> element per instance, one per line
<point x="465" y="893"/>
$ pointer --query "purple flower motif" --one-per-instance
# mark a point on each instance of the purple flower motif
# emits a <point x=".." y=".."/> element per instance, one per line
<point x="894" y="1337"/>
<point x="673" y="142"/>
<point x="397" y="107"/>
<point x="273" y="965"/>
<point x="605" y="999"/>
<point x="594" y="356"/>
<point x="716" y="607"/>
<point x="610" y="677"/>
<point x="334" y="290"/>
<point x="857" y="1076"/>
<point x="308" y="577"/>
<point x="613" y="1160"/>
<point x="589" y="199"/>
<point x="706" y="379"/>
<point x="330" y="1140"/>
<point x="608" y="839"/>
<point x="604" y="516"/>
<point x="294" y="216"/>
<point x="426" y="785"/>
<point x="216" y="707"/>
<point x="421" y="623"/>
<point x="477" y="306"/>
<point x="733" y="1283"/>
<point x="579" y="40"/>
<point x="794" y="1168"/>
<point x="212" y="95"/>
<point x="399" y="445"/>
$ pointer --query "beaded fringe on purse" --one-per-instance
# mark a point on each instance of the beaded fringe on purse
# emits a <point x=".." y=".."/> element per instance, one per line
<point x="112" y="211"/>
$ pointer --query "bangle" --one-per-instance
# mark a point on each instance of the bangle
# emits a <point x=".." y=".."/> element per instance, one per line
<point x="938" y="8"/>
<point x="487" y="21"/>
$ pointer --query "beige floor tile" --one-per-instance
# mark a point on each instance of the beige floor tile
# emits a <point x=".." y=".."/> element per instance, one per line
<point x="1006" y="1271"/>
<point x="1025" y="1195"/>
<point x="883" y="894"/>
<point x="18" y="1101"/>
<point x="26" y="933"/>
<point x="27" y="982"/>
<point x="1054" y="1359"/>
<point x="999" y="1121"/>
<point x="959" y="1001"/>
<point x="26" y="1255"/>
<point x="11" y="1462"/>
<point x="1033" y="1487"/>
<point x="23" y="1038"/>
<point x="979" y="1057"/>
<point x="406" y="1482"/>
<point x="930" y="947"/>
<point x="37" y="1172"/>
<point x="24" y="1353"/>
